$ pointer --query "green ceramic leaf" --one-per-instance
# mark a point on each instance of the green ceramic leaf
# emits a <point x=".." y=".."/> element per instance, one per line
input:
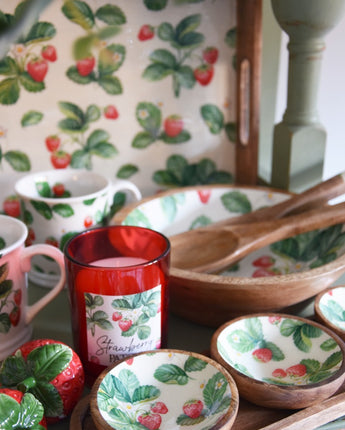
<point x="130" y="380"/>
<point x="110" y="84"/>
<point x="311" y="365"/>
<point x="301" y="341"/>
<point x="64" y="210"/>
<point x="320" y="376"/>
<point x="213" y="118"/>
<point x="2" y="243"/>
<point x="5" y="323"/>
<point x="31" y="117"/>
<point x="43" y="188"/>
<point x="237" y="202"/>
<point x="10" y="412"/>
<point x="120" y="390"/>
<point x="328" y="345"/>
<point x="289" y="326"/>
<point x="40" y="32"/>
<point x="43" y="209"/>
<point x="169" y="208"/>
<point x="193" y="364"/>
<point x="136" y="217"/>
<point x="9" y="91"/>
<point x="31" y="412"/>
<point x="214" y="390"/>
<point x="89" y="202"/>
<point x="165" y="178"/>
<point x="311" y="331"/>
<point x="50" y="398"/>
<point x="79" y="12"/>
<point x="241" y="340"/>
<point x="185" y="420"/>
<point x="332" y="360"/>
<point x="254" y="328"/>
<point x="277" y="353"/>
<point x="30" y="84"/>
<point x="48" y="361"/>
<point x="126" y="171"/>
<point x="166" y="32"/>
<point x="171" y="374"/>
<point x="111" y="14"/>
<point x="18" y="160"/>
<point x="200" y="221"/>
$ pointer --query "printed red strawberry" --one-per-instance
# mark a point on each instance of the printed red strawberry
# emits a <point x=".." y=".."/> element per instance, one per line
<point x="262" y="272"/>
<point x="48" y="369"/>
<point x="15" y="316"/>
<point x="264" y="355"/>
<point x="88" y="222"/>
<point x="52" y="241"/>
<point x="279" y="373"/>
<point x="30" y="237"/>
<point x="274" y="319"/>
<point x="264" y="261"/>
<point x="116" y="316"/>
<point x="173" y="125"/>
<point x="204" y="195"/>
<point x="150" y="421"/>
<point x="146" y="32"/>
<point x="129" y="361"/>
<point x="11" y="206"/>
<point x="17" y="297"/>
<point x="60" y="159"/>
<point x="159" y="408"/>
<point x="125" y="324"/>
<point x="111" y="112"/>
<point x="193" y="408"/>
<point x="52" y="142"/>
<point x="86" y="65"/>
<point x="210" y="54"/>
<point x="48" y="52"/>
<point x="297" y="370"/>
<point x="37" y="69"/>
<point x="204" y="74"/>
<point x="58" y="189"/>
<point x="20" y="411"/>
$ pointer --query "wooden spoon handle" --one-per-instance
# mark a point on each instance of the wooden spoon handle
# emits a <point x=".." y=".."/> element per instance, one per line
<point x="315" y="196"/>
<point x="312" y="417"/>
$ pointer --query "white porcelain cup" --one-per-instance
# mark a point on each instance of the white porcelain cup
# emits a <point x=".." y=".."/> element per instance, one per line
<point x="57" y="204"/>
<point x="15" y="261"/>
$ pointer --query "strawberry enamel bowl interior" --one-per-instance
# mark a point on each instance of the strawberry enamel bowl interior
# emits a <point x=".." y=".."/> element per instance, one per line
<point x="280" y="361"/>
<point x="280" y="277"/>
<point x="330" y="309"/>
<point x="166" y="390"/>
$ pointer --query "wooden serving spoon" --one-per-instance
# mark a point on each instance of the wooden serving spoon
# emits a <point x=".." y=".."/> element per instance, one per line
<point x="212" y="249"/>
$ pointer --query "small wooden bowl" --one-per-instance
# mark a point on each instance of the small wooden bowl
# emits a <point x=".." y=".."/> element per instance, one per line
<point x="165" y="389"/>
<point x="280" y="361"/>
<point x="329" y="309"/>
<point x="267" y="280"/>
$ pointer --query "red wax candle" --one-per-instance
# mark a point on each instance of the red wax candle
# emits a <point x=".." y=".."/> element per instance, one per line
<point x="117" y="279"/>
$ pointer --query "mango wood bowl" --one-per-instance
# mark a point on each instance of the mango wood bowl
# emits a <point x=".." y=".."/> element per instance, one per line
<point x="329" y="309"/>
<point x="165" y="389"/>
<point x="275" y="278"/>
<point x="280" y="361"/>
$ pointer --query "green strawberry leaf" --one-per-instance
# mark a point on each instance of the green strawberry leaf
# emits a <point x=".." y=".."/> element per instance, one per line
<point x="241" y="340"/>
<point x="205" y="168"/>
<point x="111" y="59"/>
<point x="31" y="117"/>
<point x="111" y="15"/>
<point x="328" y="344"/>
<point x="43" y="188"/>
<point x="311" y="365"/>
<point x="43" y="209"/>
<point x="65" y="238"/>
<point x="79" y="12"/>
<point x="110" y="84"/>
<point x="254" y="328"/>
<point x="164" y="57"/>
<point x="18" y="160"/>
<point x="5" y="287"/>
<point x="194" y="364"/>
<point x="64" y="210"/>
<point x="311" y="331"/>
<point x="104" y="150"/>
<point x="184" y="77"/>
<point x="143" y="332"/>
<point x="177" y="164"/>
<point x="129" y="380"/>
<point x="213" y="118"/>
<point x="169" y="208"/>
<point x="320" y="376"/>
<point x="5" y="322"/>
<point x="40" y="32"/>
<point x="332" y="360"/>
<point x="289" y="326"/>
<point x="71" y="125"/>
<point x="301" y="340"/>
<point x="136" y="217"/>
<point x="89" y="202"/>
<point x="185" y="420"/>
<point x="187" y="25"/>
<point x="200" y="221"/>
<point x="73" y="74"/>
<point x="149" y="117"/>
<point x="230" y="37"/>
<point x="30" y="84"/>
<point x="165" y="178"/>
<point x="71" y="110"/>
<point x="231" y="132"/>
<point x="126" y="171"/>
<point x="215" y="390"/>
<point x="166" y="32"/>
<point x="277" y="353"/>
<point x="142" y="140"/>
<point x="93" y="113"/>
<point x="182" y="137"/>
<point x="237" y="202"/>
<point x="10" y="412"/>
<point x="13" y="370"/>
<point x="157" y="72"/>
<point x="171" y="374"/>
<point x="145" y="393"/>
<point x="8" y="66"/>
<point x="189" y="41"/>
<point x="155" y="4"/>
<point x="50" y="398"/>
<point x="120" y="390"/>
<point x="32" y="412"/>
<point x="96" y="137"/>
<point x="81" y="159"/>
<point x="9" y="91"/>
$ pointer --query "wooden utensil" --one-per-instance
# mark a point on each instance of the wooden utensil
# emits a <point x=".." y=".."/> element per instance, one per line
<point x="210" y="250"/>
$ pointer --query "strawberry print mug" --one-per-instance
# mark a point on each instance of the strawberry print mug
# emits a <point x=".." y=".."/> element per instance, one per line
<point x="57" y="204"/>
<point x="15" y="261"/>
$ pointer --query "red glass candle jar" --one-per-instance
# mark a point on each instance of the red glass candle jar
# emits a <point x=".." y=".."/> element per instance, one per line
<point x="118" y="289"/>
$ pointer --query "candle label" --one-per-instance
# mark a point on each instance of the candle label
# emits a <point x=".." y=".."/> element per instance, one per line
<point x="118" y="326"/>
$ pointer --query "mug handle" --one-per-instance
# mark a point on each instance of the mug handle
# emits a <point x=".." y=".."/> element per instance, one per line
<point x="123" y="185"/>
<point x="56" y="254"/>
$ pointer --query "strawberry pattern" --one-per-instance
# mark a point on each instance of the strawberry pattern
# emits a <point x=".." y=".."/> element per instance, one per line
<point x="128" y="90"/>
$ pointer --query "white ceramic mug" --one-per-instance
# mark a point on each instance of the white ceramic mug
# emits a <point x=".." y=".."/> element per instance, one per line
<point x="15" y="261"/>
<point x="57" y="204"/>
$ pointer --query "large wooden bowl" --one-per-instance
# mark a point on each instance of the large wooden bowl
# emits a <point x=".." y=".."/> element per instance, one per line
<point x="280" y="361"/>
<point x="268" y="280"/>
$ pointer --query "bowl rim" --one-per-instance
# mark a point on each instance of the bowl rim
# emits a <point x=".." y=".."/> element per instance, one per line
<point x="340" y="373"/>
<point x="247" y="282"/>
<point x="322" y="317"/>
<point x="228" y="418"/>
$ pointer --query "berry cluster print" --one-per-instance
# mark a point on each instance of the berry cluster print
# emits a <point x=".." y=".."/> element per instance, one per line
<point x="124" y="400"/>
<point x="116" y="88"/>
<point x="10" y="299"/>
